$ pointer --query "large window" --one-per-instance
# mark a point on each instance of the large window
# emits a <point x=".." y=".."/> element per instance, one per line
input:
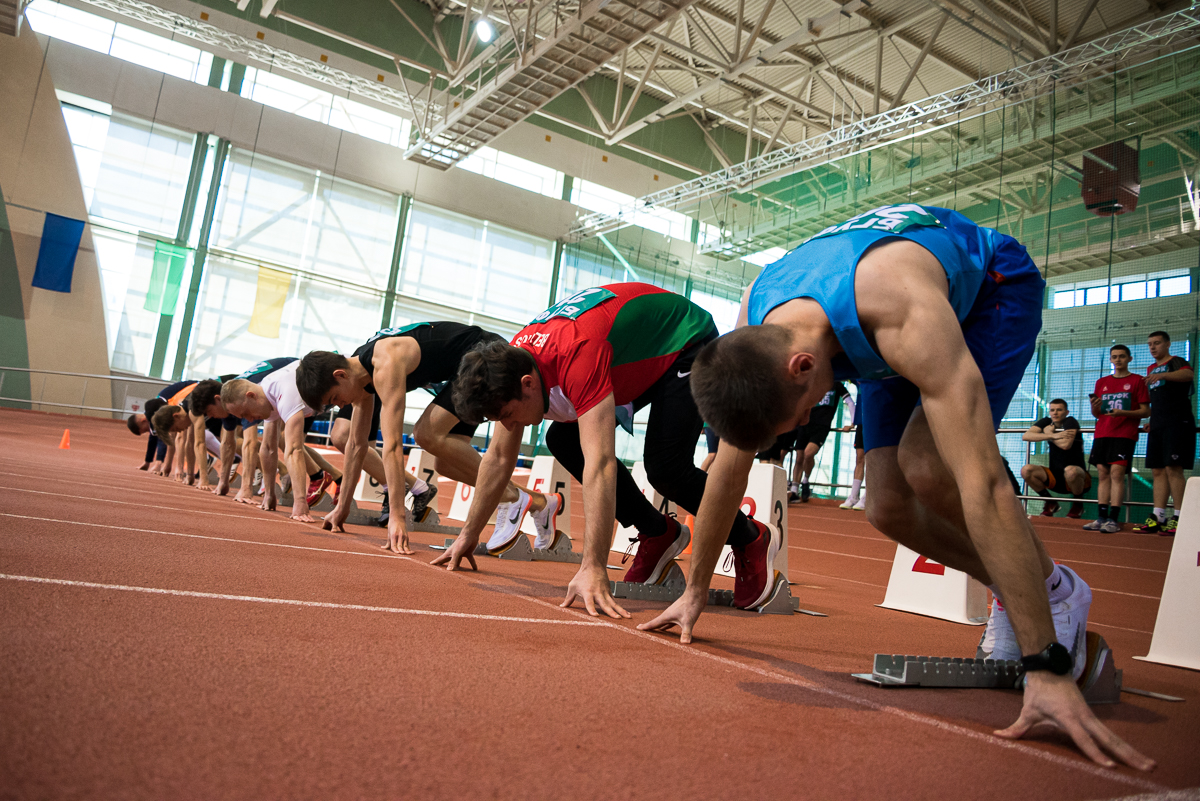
<point x="307" y="219"/>
<point x="474" y="265"/>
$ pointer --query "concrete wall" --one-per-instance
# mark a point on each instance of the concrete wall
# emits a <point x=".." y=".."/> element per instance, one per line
<point x="63" y="331"/>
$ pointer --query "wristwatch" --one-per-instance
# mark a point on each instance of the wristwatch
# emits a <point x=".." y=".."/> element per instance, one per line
<point x="1055" y="658"/>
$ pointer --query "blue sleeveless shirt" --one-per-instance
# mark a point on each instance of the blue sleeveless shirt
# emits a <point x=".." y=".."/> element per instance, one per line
<point x="822" y="268"/>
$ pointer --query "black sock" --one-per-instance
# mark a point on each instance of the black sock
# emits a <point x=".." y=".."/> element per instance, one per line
<point x="316" y="475"/>
<point x="656" y="528"/>
<point x="1102" y="514"/>
<point x="1114" y="513"/>
<point x="338" y="480"/>
<point x="1045" y="493"/>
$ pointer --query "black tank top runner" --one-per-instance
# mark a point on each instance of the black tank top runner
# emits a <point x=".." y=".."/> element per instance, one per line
<point x="442" y="347"/>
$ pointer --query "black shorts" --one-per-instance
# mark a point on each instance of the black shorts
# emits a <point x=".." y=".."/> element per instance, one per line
<point x="214" y="426"/>
<point x="858" y="438"/>
<point x="1172" y="446"/>
<point x="1058" y="481"/>
<point x="444" y="399"/>
<point x="346" y="411"/>
<point x="1112" y="450"/>
<point x="783" y="443"/>
<point x="711" y="439"/>
<point x="816" y="430"/>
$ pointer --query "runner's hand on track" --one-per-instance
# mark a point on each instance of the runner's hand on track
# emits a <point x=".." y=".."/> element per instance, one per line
<point x="683" y="613"/>
<point x="300" y="511"/>
<point x="398" y="536"/>
<point x="268" y="501"/>
<point x="222" y="488"/>
<point x="591" y="586"/>
<point x="1056" y="700"/>
<point x="462" y="548"/>
<point x="335" y="521"/>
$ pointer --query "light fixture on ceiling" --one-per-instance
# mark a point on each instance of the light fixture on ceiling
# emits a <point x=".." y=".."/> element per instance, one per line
<point x="485" y="30"/>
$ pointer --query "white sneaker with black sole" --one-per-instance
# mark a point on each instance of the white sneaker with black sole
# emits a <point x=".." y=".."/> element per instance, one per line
<point x="1093" y="525"/>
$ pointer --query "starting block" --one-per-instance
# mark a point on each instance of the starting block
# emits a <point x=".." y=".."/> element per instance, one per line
<point x="671" y="586"/>
<point x="522" y="551"/>
<point x="430" y="522"/>
<point x="1100" y="682"/>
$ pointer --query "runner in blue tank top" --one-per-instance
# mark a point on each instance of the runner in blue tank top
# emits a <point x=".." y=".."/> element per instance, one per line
<point x="938" y="318"/>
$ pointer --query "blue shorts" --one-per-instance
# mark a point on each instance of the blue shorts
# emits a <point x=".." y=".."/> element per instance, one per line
<point x="1001" y="332"/>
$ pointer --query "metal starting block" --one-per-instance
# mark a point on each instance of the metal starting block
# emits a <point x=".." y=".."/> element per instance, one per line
<point x="430" y="522"/>
<point x="671" y="586"/>
<point x="522" y="551"/>
<point x="1100" y="682"/>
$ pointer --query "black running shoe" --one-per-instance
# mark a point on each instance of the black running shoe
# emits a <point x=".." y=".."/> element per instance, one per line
<point x="420" y="505"/>
<point x="805" y="492"/>
<point x="386" y="513"/>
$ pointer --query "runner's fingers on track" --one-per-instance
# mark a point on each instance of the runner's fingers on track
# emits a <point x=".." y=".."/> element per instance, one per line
<point x="304" y="517"/>
<point x="398" y="542"/>
<point x="1076" y="719"/>
<point x="595" y="594"/>
<point x="681" y="613"/>
<point x="335" y="523"/>
<point x="452" y="557"/>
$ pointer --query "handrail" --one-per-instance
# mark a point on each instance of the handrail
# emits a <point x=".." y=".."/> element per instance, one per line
<point x="110" y="377"/>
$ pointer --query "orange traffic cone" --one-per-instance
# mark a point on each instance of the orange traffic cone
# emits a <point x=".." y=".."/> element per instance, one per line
<point x="690" y="522"/>
<point x="66" y="440"/>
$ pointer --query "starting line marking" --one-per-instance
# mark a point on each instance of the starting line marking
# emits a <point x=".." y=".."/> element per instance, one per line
<point x="915" y="717"/>
<point x="291" y="602"/>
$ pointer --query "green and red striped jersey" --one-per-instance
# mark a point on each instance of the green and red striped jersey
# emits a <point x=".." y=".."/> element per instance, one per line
<point x="616" y="339"/>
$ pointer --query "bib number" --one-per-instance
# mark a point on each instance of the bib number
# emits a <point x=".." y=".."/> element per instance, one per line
<point x="575" y="305"/>
<point x="892" y="219"/>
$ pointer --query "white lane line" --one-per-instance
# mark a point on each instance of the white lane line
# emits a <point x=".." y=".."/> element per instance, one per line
<point x="840" y="578"/>
<point x="1118" y="628"/>
<point x="836" y="534"/>
<point x="292" y="602"/>
<point x="201" y="536"/>
<point x="1128" y="594"/>
<point x="1102" y="545"/>
<point x="1116" y="567"/>
<point x="272" y="519"/>
<point x="1077" y="763"/>
<point x="839" y="553"/>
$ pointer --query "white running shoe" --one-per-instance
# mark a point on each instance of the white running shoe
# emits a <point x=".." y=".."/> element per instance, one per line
<point x="1093" y="525"/>
<point x="861" y="506"/>
<point x="1070" y="620"/>
<point x="849" y="504"/>
<point x="508" y="524"/>
<point x="546" y="522"/>
<point x="1070" y="626"/>
<point x="998" y="640"/>
<point x="1110" y="527"/>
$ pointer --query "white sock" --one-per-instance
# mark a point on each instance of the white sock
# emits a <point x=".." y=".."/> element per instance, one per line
<point x="793" y="486"/>
<point x="855" y="486"/>
<point x="1064" y="585"/>
<point x="418" y="487"/>
<point x="1160" y="514"/>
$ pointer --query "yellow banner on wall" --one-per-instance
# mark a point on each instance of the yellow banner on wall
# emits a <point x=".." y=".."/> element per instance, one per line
<point x="272" y="293"/>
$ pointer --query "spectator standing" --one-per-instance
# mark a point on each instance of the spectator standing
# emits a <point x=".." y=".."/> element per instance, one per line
<point x="1171" y="431"/>
<point x="1120" y="400"/>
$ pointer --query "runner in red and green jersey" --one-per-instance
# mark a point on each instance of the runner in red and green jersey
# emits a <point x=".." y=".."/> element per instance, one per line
<point x="585" y="363"/>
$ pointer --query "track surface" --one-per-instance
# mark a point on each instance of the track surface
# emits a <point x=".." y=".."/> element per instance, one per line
<point x="161" y="642"/>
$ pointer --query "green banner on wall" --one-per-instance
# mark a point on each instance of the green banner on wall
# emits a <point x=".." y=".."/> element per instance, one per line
<point x="165" y="278"/>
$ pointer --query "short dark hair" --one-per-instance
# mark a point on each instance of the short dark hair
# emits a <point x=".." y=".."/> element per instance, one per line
<point x="739" y="385"/>
<point x="489" y="376"/>
<point x="135" y="427"/>
<point x="1060" y="401"/>
<point x="153" y="405"/>
<point x="204" y="395"/>
<point x="164" y="421"/>
<point x="314" y="376"/>
<point x="1166" y="337"/>
<point x="1121" y="347"/>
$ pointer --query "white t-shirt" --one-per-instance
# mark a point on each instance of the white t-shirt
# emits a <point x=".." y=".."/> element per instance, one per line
<point x="280" y="389"/>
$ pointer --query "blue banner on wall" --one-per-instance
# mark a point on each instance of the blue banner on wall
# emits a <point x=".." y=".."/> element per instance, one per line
<point x="56" y="255"/>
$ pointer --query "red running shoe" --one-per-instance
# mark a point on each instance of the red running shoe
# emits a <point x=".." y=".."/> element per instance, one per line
<point x="316" y="488"/>
<point x="1049" y="509"/>
<point x="655" y="554"/>
<point x="753" y="567"/>
<point x="1076" y="511"/>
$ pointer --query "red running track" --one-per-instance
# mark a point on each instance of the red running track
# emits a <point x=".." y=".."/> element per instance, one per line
<point x="161" y="642"/>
